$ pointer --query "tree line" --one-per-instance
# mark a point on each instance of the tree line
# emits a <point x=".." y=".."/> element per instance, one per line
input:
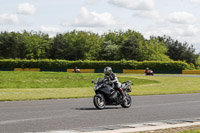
<point x="81" y="45"/>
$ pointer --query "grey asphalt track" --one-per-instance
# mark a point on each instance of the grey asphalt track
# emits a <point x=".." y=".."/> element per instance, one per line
<point x="68" y="114"/>
<point x="177" y="75"/>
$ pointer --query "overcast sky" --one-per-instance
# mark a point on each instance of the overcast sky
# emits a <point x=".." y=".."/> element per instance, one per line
<point x="178" y="18"/>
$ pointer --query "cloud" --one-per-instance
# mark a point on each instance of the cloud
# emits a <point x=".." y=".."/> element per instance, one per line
<point x="91" y="1"/>
<point x="65" y="23"/>
<point x="134" y="5"/>
<point x="183" y="31"/>
<point x="147" y="14"/>
<point x="9" y="19"/>
<point x="49" y="29"/>
<point x="187" y="31"/>
<point x="194" y="1"/>
<point x="93" y="19"/>
<point x="181" y="18"/>
<point x="26" y="9"/>
<point x="141" y="8"/>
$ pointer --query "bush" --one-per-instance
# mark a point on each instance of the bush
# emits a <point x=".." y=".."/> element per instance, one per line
<point x="87" y="64"/>
<point x="197" y="66"/>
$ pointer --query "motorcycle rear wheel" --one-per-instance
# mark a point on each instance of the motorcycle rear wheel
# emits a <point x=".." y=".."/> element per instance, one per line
<point x="127" y="103"/>
<point x="99" y="101"/>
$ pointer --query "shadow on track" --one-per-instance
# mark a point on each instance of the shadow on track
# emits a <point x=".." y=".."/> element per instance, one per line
<point x="98" y="109"/>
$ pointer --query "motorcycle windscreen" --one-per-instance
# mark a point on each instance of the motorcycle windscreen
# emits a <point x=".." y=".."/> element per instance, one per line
<point x="100" y="81"/>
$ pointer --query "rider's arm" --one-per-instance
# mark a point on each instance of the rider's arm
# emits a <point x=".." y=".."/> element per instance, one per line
<point x="115" y="79"/>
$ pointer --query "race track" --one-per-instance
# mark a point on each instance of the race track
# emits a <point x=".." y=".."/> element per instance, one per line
<point x="177" y="75"/>
<point x="48" y="115"/>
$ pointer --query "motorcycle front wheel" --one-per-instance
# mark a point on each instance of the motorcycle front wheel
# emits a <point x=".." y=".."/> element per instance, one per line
<point x="127" y="103"/>
<point x="99" y="101"/>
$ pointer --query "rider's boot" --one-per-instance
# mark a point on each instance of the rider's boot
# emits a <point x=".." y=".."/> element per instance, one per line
<point x="122" y="93"/>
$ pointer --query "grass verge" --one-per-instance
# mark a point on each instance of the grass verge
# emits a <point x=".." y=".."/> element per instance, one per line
<point x="190" y="129"/>
<point x="167" y="85"/>
<point x="59" y="85"/>
<point x="56" y="80"/>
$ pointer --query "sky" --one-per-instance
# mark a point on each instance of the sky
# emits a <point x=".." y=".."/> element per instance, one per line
<point x="179" y="19"/>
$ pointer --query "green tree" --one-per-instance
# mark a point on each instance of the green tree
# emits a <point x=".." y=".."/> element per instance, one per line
<point x="36" y="45"/>
<point x="93" y="46"/>
<point x="130" y="48"/>
<point x="76" y="45"/>
<point x="11" y="45"/>
<point x="80" y="45"/>
<point x="110" y="51"/>
<point x="198" y="59"/>
<point x="153" y="50"/>
<point x="178" y="50"/>
<point x="140" y="49"/>
<point x="59" y="48"/>
<point x="115" y="37"/>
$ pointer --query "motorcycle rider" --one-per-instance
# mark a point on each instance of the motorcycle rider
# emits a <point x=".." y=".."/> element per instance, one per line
<point x="147" y="69"/>
<point x="112" y="79"/>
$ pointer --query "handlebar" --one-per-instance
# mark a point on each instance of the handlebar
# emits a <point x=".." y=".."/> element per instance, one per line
<point x="93" y="82"/>
<point x="111" y="82"/>
<point x="127" y="81"/>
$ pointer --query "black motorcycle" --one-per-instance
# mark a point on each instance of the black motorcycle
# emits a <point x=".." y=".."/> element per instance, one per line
<point x="106" y="94"/>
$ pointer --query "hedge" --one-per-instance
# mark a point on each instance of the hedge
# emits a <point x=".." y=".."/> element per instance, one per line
<point x="123" y="64"/>
<point x="197" y="66"/>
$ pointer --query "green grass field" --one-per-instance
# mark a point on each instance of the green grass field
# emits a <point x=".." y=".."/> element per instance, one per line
<point x="190" y="131"/>
<point x="58" y="85"/>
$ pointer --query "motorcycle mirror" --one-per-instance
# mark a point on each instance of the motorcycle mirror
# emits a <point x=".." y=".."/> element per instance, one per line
<point x="132" y="84"/>
<point x="93" y="81"/>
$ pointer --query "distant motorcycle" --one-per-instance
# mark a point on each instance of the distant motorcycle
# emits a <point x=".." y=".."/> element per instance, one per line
<point x="149" y="72"/>
<point x="107" y="95"/>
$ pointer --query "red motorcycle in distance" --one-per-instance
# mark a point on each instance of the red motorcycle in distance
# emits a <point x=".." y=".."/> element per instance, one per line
<point x="148" y="72"/>
<point x="76" y="70"/>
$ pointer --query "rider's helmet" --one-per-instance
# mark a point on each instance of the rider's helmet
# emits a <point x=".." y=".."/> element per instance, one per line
<point x="147" y="68"/>
<point x="107" y="70"/>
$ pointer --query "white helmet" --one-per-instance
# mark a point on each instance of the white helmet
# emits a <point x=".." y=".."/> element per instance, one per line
<point x="107" y="70"/>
